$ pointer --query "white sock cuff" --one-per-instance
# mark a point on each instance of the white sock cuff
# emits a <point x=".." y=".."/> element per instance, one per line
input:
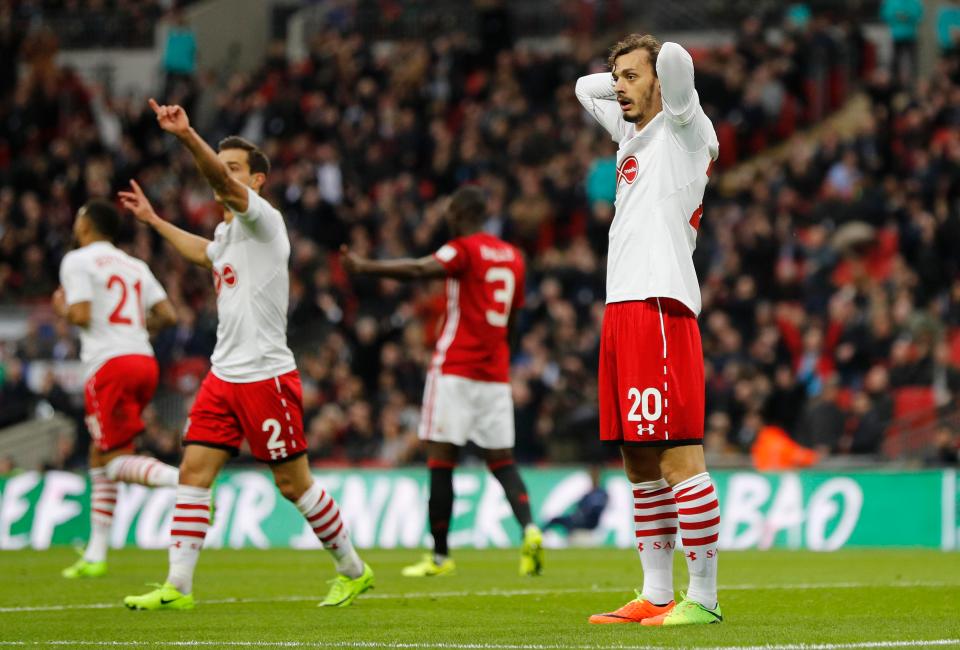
<point x="693" y="481"/>
<point x="193" y="494"/>
<point x="309" y="498"/>
<point x="659" y="484"/>
<point x="97" y="472"/>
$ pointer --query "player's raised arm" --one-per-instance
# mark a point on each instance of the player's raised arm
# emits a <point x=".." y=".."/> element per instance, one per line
<point x="229" y="190"/>
<point x="401" y="269"/>
<point x="675" y="71"/>
<point x="596" y="94"/>
<point x="192" y="247"/>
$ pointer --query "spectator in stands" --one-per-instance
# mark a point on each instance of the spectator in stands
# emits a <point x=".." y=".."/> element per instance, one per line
<point x="903" y="18"/>
<point x="179" y="58"/>
<point x="948" y="26"/>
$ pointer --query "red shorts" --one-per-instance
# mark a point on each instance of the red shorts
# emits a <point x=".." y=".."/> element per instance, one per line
<point x="115" y="396"/>
<point x="651" y="374"/>
<point x="267" y="413"/>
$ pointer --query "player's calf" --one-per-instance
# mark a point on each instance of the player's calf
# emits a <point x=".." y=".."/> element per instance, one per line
<point x="142" y="470"/>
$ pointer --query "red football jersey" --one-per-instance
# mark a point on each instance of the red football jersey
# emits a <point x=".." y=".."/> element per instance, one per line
<point x="485" y="283"/>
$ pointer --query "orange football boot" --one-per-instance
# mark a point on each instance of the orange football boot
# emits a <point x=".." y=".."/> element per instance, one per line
<point x="635" y="611"/>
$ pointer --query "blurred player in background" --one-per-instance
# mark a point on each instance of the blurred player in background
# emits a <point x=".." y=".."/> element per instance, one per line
<point x="651" y="381"/>
<point x="468" y="396"/>
<point x="253" y="389"/>
<point x="116" y="302"/>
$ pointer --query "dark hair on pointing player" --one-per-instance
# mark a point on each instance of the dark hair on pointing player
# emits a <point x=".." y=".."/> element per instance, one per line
<point x="258" y="161"/>
<point x="104" y="217"/>
<point x="635" y="42"/>
<point x="469" y="204"/>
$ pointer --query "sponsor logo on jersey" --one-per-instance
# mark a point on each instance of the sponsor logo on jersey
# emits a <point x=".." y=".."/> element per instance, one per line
<point x="226" y="277"/>
<point x="229" y="276"/>
<point x="628" y="170"/>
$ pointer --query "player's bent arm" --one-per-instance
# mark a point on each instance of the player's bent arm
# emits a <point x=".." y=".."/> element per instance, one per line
<point x="231" y="191"/>
<point x="401" y="269"/>
<point x="595" y="93"/>
<point x="161" y="315"/>
<point x="79" y="313"/>
<point x="192" y="247"/>
<point x="675" y="71"/>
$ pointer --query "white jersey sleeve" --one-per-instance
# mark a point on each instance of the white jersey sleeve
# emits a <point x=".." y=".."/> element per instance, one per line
<point x="681" y="103"/>
<point x="596" y="94"/>
<point x="153" y="292"/>
<point x="262" y="221"/>
<point x="75" y="279"/>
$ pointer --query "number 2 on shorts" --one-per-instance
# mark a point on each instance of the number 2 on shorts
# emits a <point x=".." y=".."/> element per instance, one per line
<point x="276" y="446"/>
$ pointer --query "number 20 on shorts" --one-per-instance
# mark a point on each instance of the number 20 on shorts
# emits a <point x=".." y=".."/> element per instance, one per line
<point x="649" y="403"/>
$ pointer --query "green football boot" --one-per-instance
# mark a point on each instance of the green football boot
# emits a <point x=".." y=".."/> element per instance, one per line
<point x="687" y="612"/>
<point x="344" y="590"/>
<point x="531" y="552"/>
<point x="165" y="596"/>
<point x="83" y="569"/>
<point x="428" y="567"/>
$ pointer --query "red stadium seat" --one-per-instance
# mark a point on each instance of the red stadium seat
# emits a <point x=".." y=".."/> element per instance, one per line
<point x="914" y="402"/>
<point x="727" y="137"/>
<point x="954" y="340"/>
<point x="914" y="415"/>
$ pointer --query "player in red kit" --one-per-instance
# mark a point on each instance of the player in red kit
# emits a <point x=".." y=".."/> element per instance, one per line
<point x="467" y="396"/>
<point x="651" y="382"/>
<point x="252" y="391"/>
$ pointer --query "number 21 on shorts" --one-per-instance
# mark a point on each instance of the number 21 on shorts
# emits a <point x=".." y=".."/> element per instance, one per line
<point x="646" y="409"/>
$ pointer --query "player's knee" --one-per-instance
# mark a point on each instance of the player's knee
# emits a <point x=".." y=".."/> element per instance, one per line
<point x="195" y="475"/>
<point x="290" y="490"/>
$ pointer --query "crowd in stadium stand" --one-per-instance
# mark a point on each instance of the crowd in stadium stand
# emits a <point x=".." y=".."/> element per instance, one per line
<point x="831" y="278"/>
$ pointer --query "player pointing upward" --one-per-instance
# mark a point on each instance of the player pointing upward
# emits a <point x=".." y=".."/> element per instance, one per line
<point x="253" y="390"/>
<point x="651" y="359"/>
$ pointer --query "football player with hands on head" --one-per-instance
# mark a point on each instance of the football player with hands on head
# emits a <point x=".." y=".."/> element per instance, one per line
<point x="651" y="382"/>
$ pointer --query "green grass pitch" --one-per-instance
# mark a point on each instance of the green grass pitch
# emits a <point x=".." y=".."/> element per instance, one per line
<point x="250" y="598"/>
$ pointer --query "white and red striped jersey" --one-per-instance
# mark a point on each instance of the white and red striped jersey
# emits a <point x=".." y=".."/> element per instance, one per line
<point x="120" y="289"/>
<point x="250" y="256"/>
<point x="485" y="283"/>
<point x="662" y="171"/>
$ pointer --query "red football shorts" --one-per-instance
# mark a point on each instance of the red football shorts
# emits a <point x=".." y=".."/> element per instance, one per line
<point x="267" y="413"/>
<point x="651" y="374"/>
<point x="115" y="396"/>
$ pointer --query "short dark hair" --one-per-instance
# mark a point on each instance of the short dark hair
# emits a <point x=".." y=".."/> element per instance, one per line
<point x="635" y="42"/>
<point x="258" y="161"/>
<point x="104" y="217"/>
<point x="469" y="203"/>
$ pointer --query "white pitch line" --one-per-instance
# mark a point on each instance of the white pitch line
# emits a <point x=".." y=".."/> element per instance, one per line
<point x="494" y="593"/>
<point x="861" y="645"/>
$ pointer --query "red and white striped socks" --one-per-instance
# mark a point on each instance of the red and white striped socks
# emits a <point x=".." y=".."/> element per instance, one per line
<point x="191" y="519"/>
<point x="102" y="503"/>
<point x="699" y="516"/>
<point x="323" y="515"/>
<point x="142" y="470"/>
<point x="655" y="525"/>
